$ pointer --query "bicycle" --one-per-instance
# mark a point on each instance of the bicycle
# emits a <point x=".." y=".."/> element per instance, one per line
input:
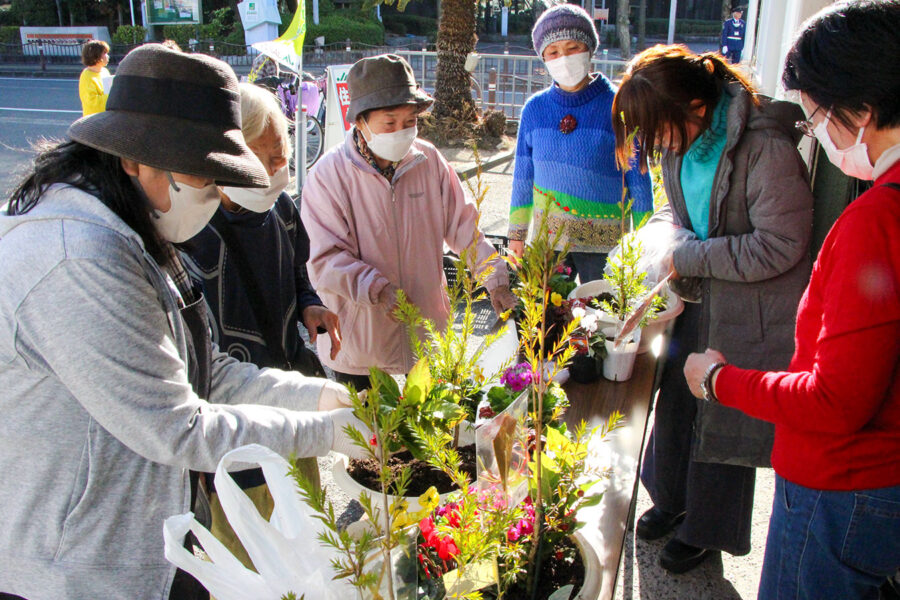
<point x="312" y="94"/>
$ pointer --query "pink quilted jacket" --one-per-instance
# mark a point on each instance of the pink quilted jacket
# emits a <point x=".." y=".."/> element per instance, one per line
<point x="367" y="233"/>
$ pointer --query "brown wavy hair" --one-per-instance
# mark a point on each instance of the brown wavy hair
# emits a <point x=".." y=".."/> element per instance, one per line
<point x="660" y="90"/>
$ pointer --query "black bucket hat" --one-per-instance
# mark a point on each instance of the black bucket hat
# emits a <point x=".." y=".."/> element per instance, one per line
<point x="381" y="81"/>
<point x="177" y="112"/>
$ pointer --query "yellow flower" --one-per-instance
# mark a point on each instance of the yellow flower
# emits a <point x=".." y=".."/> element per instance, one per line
<point x="556" y="299"/>
<point x="429" y="500"/>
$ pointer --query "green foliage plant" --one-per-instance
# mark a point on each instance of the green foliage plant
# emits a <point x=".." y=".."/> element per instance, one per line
<point x="354" y="563"/>
<point x="454" y="368"/>
<point x="623" y="270"/>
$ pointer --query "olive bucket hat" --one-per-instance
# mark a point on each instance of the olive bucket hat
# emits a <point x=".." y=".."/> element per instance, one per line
<point x="176" y="112"/>
<point x="382" y="81"/>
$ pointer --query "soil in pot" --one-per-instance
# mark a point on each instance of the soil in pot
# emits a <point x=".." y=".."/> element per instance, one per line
<point x="555" y="574"/>
<point x="422" y="474"/>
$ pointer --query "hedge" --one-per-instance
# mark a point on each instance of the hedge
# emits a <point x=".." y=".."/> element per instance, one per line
<point x="9" y="34"/>
<point x="336" y="28"/>
<point x="126" y="34"/>
<point x="402" y="24"/>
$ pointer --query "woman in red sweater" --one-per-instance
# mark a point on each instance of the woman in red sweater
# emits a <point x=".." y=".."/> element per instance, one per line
<point x="835" y="527"/>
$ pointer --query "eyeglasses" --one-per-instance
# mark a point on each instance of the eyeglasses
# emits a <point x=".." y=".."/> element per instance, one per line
<point x="806" y="127"/>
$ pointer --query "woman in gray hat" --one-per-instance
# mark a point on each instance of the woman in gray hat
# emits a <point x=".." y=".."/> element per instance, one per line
<point x="113" y="394"/>
<point x="379" y="209"/>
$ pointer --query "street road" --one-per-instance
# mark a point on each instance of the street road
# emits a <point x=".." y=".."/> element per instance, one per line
<point x="31" y="110"/>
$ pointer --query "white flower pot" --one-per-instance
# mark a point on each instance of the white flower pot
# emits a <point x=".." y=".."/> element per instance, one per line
<point x="590" y="289"/>
<point x="353" y="488"/>
<point x="619" y="362"/>
<point x="655" y="328"/>
<point x="591" y="587"/>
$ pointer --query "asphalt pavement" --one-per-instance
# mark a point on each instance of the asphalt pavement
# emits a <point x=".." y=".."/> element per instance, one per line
<point x="32" y="110"/>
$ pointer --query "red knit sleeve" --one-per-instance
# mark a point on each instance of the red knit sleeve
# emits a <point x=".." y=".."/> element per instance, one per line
<point x="857" y="348"/>
<point x="845" y="389"/>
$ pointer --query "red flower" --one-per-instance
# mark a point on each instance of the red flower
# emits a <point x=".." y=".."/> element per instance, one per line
<point x="447" y="548"/>
<point x="373" y="441"/>
<point x="559" y="555"/>
<point x="568" y="124"/>
<point x="485" y="412"/>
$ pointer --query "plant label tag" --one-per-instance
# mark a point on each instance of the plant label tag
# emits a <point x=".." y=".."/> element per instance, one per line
<point x="476" y="576"/>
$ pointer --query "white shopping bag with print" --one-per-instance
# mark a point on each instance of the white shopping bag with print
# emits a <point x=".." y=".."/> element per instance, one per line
<point x="285" y="550"/>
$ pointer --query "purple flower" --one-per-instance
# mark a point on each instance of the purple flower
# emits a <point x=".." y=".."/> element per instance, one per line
<point x="518" y="377"/>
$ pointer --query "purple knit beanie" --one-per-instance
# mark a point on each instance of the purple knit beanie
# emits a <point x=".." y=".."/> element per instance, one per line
<point x="564" y="22"/>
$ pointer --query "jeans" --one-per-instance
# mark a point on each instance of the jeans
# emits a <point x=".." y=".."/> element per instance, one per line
<point x="825" y="545"/>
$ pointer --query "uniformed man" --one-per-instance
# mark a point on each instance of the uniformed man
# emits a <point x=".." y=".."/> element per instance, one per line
<point x="733" y="33"/>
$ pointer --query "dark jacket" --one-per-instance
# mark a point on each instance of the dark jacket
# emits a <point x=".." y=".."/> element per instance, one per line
<point x="277" y="247"/>
<point x="751" y="272"/>
<point x="733" y="35"/>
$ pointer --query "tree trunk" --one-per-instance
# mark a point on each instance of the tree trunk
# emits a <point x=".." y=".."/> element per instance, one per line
<point x="642" y="25"/>
<point x="726" y="10"/>
<point x="59" y="12"/>
<point x="456" y="38"/>
<point x="623" y="29"/>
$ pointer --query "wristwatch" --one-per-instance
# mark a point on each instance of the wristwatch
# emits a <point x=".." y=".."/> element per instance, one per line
<point x="706" y="383"/>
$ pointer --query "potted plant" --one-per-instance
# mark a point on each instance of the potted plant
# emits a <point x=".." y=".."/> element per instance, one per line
<point x="443" y="389"/>
<point x="589" y="343"/>
<point x="484" y="539"/>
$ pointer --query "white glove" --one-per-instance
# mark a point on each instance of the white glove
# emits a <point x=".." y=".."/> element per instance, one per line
<point x="724" y="49"/>
<point x="333" y="396"/>
<point x="342" y="442"/>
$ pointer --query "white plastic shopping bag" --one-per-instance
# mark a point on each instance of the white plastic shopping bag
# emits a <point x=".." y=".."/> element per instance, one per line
<point x="285" y="550"/>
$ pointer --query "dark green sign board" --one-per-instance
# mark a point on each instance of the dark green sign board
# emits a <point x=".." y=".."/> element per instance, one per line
<point x="173" y="12"/>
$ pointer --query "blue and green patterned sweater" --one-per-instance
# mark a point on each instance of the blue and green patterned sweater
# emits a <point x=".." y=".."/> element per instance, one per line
<point x="573" y="175"/>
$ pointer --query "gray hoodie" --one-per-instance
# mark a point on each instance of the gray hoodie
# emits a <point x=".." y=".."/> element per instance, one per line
<point x="98" y="423"/>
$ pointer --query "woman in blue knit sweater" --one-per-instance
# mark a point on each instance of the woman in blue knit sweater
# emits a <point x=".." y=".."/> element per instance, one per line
<point x="565" y="156"/>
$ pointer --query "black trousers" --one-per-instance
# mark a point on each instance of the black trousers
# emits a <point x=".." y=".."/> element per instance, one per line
<point x="359" y="382"/>
<point x="717" y="498"/>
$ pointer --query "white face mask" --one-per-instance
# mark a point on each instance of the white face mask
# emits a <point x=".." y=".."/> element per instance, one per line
<point x="260" y="200"/>
<point x="191" y="209"/>
<point x="853" y="161"/>
<point x="570" y="70"/>
<point x="391" y="146"/>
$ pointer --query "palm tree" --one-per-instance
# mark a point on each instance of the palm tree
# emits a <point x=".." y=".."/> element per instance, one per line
<point x="623" y="30"/>
<point x="456" y="39"/>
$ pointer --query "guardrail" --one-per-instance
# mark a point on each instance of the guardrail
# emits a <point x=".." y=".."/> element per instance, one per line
<point x="503" y="81"/>
<point x="499" y="81"/>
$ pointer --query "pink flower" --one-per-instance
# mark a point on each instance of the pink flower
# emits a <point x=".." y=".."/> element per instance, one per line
<point x="513" y="534"/>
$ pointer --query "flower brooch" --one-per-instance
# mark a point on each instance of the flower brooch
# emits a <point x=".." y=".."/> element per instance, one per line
<point x="568" y="124"/>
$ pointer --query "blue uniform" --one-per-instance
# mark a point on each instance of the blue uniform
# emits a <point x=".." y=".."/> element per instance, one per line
<point x="733" y="33"/>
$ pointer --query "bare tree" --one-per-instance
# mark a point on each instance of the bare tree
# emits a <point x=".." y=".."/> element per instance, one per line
<point x="623" y="29"/>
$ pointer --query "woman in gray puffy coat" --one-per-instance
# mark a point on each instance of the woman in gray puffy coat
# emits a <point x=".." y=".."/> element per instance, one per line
<point x="733" y="176"/>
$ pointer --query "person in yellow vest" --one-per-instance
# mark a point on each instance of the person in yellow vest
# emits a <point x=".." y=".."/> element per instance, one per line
<point x="95" y="57"/>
